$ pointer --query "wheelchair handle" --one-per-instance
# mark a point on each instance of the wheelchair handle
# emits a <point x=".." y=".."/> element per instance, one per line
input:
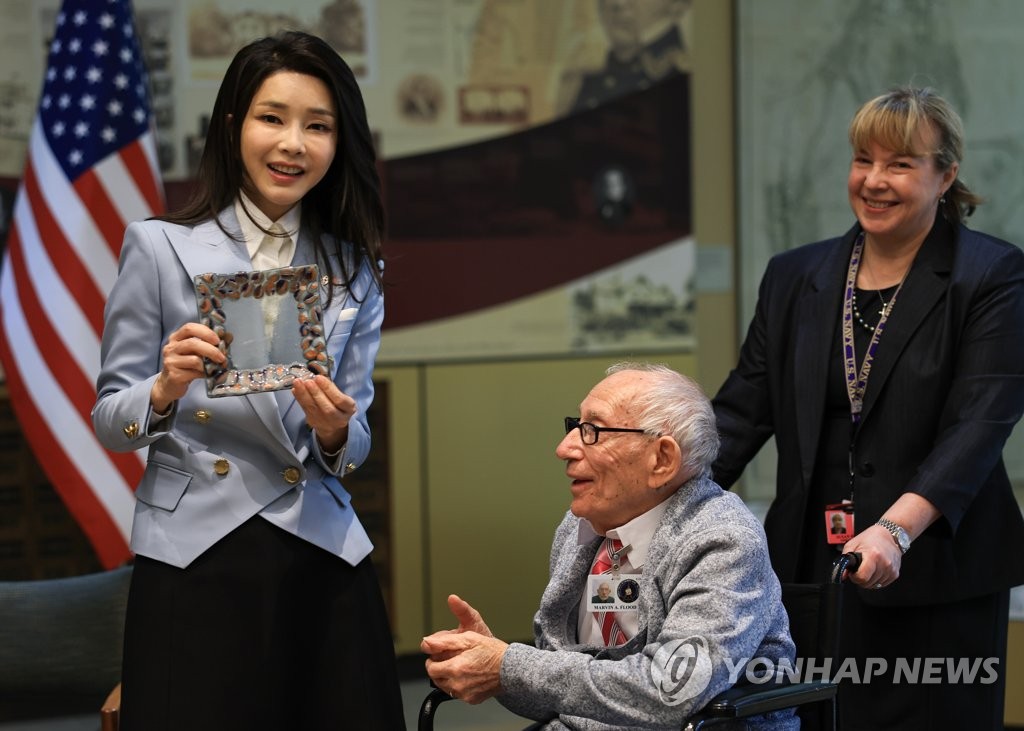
<point x="848" y="562"/>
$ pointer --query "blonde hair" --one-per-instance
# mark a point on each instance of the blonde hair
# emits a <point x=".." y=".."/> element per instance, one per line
<point x="897" y="120"/>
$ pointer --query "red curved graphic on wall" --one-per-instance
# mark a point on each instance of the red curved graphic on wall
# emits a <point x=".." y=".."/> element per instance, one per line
<point x="477" y="226"/>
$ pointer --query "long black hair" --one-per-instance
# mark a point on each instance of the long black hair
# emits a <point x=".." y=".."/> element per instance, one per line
<point x="346" y="203"/>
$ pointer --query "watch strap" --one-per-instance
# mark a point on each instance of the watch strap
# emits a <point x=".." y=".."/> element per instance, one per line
<point x="898" y="533"/>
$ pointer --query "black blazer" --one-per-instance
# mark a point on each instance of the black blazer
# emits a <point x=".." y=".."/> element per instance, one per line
<point x="945" y="391"/>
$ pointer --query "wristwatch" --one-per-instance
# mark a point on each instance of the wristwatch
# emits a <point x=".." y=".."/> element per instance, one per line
<point x="899" y="534"/>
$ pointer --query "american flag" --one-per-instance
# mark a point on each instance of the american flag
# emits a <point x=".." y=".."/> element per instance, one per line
<point x="91" y="168"/>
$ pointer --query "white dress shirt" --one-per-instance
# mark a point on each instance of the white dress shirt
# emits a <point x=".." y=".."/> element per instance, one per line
<point x="267" y="252"/>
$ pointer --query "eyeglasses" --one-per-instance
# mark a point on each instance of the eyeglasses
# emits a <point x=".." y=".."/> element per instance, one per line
<point x="589" y="433"/>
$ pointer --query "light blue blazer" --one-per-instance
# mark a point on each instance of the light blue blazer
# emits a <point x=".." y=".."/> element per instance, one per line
<point x="274" y="465"/>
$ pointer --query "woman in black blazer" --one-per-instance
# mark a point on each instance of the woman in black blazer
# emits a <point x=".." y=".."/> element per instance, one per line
<point x="906" y="445"/>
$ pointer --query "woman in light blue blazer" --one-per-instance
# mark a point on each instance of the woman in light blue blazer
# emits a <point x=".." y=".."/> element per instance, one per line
<point x="254" y="603"/>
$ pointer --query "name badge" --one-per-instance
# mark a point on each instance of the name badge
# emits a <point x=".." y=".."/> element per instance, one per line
<point x="608" y="593"/>
<point x="839" y="522"/>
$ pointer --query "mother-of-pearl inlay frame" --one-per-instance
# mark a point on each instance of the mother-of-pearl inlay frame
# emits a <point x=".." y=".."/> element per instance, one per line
<point x="270" y="328"/>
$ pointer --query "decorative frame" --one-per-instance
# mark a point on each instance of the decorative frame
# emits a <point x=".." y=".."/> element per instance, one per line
<point x="214" y="292"/>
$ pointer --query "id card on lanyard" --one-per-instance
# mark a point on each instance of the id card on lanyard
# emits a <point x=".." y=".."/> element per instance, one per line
<point x="841" y="515"/>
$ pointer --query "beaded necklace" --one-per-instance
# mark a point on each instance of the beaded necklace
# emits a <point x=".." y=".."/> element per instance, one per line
<point x="886" y="308"/>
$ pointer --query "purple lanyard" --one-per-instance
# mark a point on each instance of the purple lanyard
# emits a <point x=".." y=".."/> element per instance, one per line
<point x="857" y="383"/>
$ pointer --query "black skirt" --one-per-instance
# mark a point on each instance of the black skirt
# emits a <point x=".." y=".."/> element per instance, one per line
<point x="263" y="631"/>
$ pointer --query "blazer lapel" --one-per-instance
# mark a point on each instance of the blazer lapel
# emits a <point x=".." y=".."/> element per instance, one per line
<point x="582" y="562"/>
<point x="207" y="249"/>
<point x="924" y="287"/>
<point x="568" y="589"/>
<point x="817" y="319"/>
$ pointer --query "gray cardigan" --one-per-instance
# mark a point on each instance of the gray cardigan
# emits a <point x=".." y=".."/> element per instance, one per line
<point x="707" y="576"/>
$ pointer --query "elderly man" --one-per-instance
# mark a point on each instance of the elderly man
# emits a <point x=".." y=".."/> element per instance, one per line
<point x="695" y="597"/>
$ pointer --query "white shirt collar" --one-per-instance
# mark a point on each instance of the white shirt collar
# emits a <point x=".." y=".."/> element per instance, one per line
<point x="251" y="232"/>
<point x="636" y="534"/>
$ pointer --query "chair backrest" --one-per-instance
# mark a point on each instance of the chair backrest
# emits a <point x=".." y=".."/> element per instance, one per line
<point x="815" y="622"/>
<point x="813" y="618"/>
<point x="815" y="611"/>
<point x="60" y="642"/>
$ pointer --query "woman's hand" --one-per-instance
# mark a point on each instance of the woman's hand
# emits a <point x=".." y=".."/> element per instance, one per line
<point x="328" y="410"/>
<point x="183" y="363"/>
<point x="881" y="558"/>
<point x="880" y="561"/>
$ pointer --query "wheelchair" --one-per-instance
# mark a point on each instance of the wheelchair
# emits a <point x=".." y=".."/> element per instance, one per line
<point x="814" y="617"/>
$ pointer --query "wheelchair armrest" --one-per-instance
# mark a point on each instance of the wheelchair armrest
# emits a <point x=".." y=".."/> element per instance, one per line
<point x="754" y="700"/>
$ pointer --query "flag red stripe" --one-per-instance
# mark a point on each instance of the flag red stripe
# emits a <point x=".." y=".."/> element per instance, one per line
<point x="137" y="163"/>
<point x="65" y="260"/>
<point x="103" y="213"/>
<point x="103" y="533"/>
<point x="77" y="387"/>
